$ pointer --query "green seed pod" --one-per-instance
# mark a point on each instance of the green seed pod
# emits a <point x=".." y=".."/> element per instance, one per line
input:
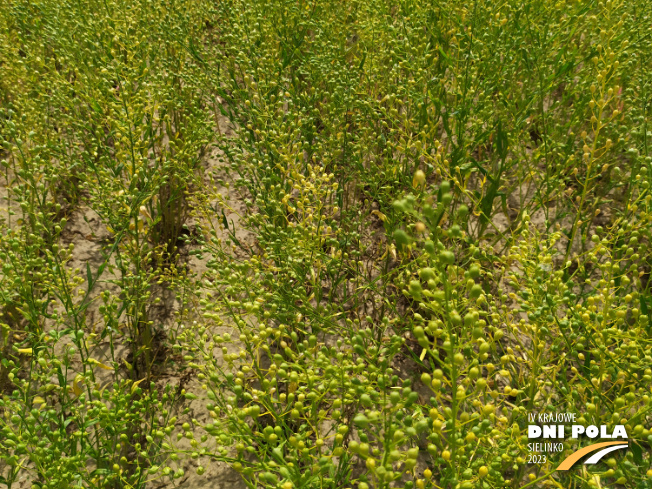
<point x="361" y="421"/>
<point x="415" y="287"/>
<point x="269" y="477"/>
<point x="401" y="238"/>
<point x="400" y="205"/>
<point x="364" y="449"/>
<point x="422" y="426"/>
<point x="469" y="319"/>
<point x="254" y="411"/>
<point x="488" y="409"/>
<point x="455" y="318"/>
<point x="447" y="257"/>
<point x="475" y="292"/>
<point x="365" y="400"/>
<point x="427" y="274"/>
<point x="411" y="399"/>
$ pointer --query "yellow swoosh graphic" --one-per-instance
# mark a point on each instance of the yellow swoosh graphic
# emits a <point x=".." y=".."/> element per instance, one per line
<point x="575" y="456"/>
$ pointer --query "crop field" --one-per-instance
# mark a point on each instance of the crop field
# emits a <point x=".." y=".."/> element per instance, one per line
<point x="336" y="244"/>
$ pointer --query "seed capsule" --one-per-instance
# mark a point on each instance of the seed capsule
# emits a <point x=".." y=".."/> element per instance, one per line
<point x="419" y="178"/>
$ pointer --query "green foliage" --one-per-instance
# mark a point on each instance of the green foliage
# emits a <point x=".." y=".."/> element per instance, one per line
<point x="444" y="226"/>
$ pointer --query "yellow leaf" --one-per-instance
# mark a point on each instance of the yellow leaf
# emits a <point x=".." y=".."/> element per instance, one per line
<point x="293" y="387"/>
<point x="26" y="351"/>
<point x="39" y="400"/>
<point x="75" y="385"/>
<point x="392" y="250"/>
<point x="128" y="365"/>
<point x="144" y="212"/>
<point x="135" y="386"/>
<point x="380" y="215"/>
<point x="99" y="364"/>
<point x="423" y="354"/>
<point x="384" y="254"/>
